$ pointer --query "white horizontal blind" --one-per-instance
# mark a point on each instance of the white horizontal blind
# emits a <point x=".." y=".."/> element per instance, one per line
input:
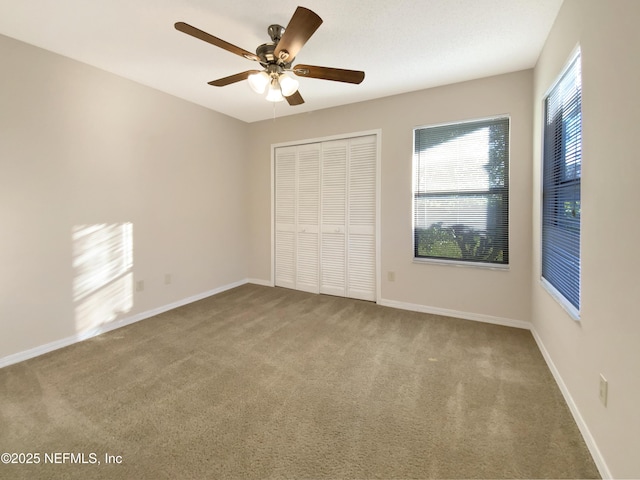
<point x="562" y="171"/>
<point x="461" y="191"/>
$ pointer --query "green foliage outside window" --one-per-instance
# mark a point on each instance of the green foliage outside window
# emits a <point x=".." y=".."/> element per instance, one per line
<point x="458" y="242"/>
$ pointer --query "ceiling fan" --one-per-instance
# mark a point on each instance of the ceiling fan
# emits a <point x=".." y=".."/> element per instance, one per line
<point x="276" y="59"/>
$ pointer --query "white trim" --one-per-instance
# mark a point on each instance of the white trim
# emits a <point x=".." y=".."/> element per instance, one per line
<point x="478" y="317"/>
<point x="340" y="136"/>
<point x="258" y="281"/>
<point x="272" y="223"/>
<point x="460" y="263"/>
<point x="577" y="416"/>
<point x="460" y="122"/>
<point x="107" y="327"/>
<point x="378" y="134"/>
<point x="560" y="298"/>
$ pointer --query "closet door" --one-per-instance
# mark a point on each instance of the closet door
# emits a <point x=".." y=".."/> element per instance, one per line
<point x="325" y="217"/>
<point x="334" y="218"/>
<point x="307" y="218"/>
<point x="361" y="201"/>
<point x="285" y="217"/>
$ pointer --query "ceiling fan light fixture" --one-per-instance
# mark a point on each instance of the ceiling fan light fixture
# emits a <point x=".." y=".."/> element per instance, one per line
<point x="274" y="94"/>
<point x="288" y="85"/>
<point x="258" y="82"/>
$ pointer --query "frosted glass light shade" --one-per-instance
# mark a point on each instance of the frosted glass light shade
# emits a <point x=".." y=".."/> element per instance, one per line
<point x="274" y="94"/>
<point x="288" y="85"/>
<point x="258" y="81"/>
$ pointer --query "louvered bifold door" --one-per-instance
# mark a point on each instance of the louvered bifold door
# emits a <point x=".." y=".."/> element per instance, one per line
<point x="285" y="206"/>
<point x="308" y="212"/>
<point x="361" y="244"/>
<point x="333" y="218"/>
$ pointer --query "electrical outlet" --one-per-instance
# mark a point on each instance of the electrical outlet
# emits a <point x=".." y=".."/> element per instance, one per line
<point x="167" y="278"/>
<point x="140" y="286"/>
<point x="604" y="390"/>
<point x="391" y="276"/>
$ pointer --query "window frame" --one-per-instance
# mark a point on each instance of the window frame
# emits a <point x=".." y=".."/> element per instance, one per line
<point x="505" y="193"/>
<point x="563" y="182"/>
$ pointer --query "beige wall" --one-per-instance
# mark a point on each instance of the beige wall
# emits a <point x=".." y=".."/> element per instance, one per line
<point x="607" y="339"/>
<point x="498" y="294"/>
<point x="79" y="146"/>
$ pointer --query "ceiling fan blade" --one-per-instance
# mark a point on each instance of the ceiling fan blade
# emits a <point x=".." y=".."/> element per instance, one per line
<point x="197" y="33"/>
<point x="238" y="77"/>
<point x="301" y="26"/>
<point x="295" y="99"/>
<point x="327" y="73"/>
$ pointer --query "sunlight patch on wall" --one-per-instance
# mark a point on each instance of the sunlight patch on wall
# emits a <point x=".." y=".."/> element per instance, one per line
<point x="103" y="273"/>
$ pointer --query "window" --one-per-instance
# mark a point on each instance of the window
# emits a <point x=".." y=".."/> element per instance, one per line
<point x="461" y="192"/>
<point x="561" y="172"/>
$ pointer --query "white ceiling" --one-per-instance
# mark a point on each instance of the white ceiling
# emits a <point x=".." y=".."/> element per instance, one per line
<point x="402" y="45"/>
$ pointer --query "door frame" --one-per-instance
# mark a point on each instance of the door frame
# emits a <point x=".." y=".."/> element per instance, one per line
<point x="378" y="134"/>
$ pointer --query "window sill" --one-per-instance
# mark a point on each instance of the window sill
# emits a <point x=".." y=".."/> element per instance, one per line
<point x="572" y="311"/>
<point x="455" y="263"/>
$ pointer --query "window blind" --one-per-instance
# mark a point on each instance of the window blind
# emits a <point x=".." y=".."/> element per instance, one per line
<point x="461" y="191"/>
<point x="562" y="162"/>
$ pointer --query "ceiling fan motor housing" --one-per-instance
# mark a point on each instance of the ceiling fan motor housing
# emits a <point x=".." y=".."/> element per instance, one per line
<point x="267" y="57"/>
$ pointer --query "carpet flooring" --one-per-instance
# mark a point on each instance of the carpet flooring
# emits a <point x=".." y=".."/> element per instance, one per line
<point x="261" y="382"/>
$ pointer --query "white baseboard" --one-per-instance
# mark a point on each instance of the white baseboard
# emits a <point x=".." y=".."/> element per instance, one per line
<point x="257" y="281"/>
<point x="478" y="317"/>
<point x="107" y="327"/>
<point x="577" y="416"/>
